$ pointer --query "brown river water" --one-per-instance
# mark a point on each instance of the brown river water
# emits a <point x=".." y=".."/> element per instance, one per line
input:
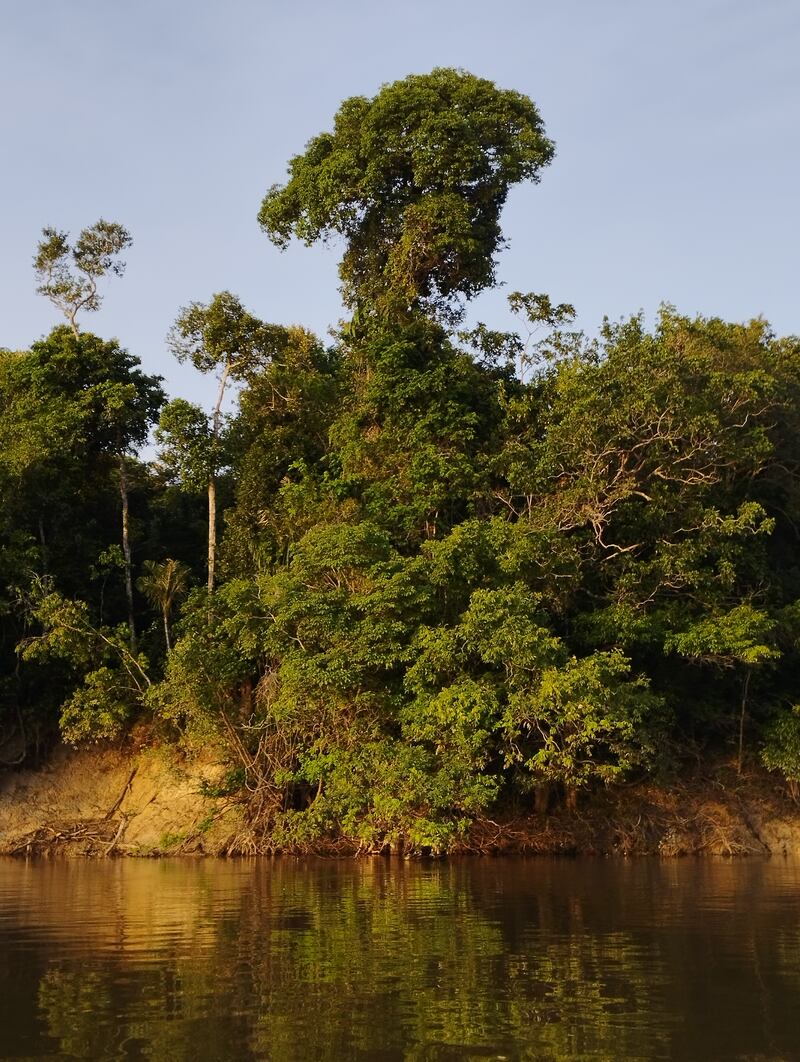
<point x="383" y="959"/>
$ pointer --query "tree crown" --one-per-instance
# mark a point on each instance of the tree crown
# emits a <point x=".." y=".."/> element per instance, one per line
<point x="68" y="275"/>
<point x="222" y="334"/>
<point x="414" y="179"/>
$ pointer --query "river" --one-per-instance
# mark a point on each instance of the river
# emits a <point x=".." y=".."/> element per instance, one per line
<point x="384" y="959"/>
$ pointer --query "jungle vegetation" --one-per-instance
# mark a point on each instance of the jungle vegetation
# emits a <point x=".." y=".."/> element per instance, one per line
<point x="422" y="570"/>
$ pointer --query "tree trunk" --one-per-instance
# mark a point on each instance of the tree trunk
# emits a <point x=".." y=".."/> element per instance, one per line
<point x="166" y="631"/>
<point x="43" y="542"/>
<point x="212" y="532"/>
<point x="126" y="550"/>
<point x="745" y="687"/>
<point x="216" y="424"/>
<point x="541" y="798"/>
<point x="246" y="700"/>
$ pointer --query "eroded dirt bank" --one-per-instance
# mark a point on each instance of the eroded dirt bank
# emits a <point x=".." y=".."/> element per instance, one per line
<point x="104" y="802"/>
<point x="108" y="802"/>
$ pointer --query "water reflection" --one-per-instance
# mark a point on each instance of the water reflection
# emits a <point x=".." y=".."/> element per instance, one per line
<point x="376" y="960"/>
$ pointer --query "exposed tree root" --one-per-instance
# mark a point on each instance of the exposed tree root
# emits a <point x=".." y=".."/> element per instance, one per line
<point x="89" y="837"/>
<point x="714" y="814"/>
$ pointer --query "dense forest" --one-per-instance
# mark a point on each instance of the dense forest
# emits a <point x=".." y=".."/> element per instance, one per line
<point x="423" y="570"/>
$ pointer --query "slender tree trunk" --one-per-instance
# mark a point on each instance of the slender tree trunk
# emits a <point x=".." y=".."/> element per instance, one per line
<point x="166" y="632"/>
<point x="212" y="531"/>
<point x="216" y="424"/>
<point x="745" y="687"/>
<point x="43" y="542"/>
<point x="126" y="550"/>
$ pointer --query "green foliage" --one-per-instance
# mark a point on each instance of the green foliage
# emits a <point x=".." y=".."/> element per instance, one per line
<point x="163" y="584"/>
<point x="110" y="681"/>
<point x="79" y="391"/>
<point x="279" y="444"/>
<point x="71" y="409"/>
<point x="68" y="275"/>
<point x="738" y="636"/>
<point x="412" y="444"/>
<point x="567" y="720"/>
<point x="452" y="567"/>
<point x="586" y="720"/>
<point x="223" y="335"/>
<point x="781" y="750"/>
<point x="100" y="709"/>
<point x="414" y="180"/>
<point x="186" y="449"/>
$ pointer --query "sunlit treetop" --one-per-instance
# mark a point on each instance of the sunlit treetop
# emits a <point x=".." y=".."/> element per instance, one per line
<point x="414" y="179"/>
<point x="68" y="274"/>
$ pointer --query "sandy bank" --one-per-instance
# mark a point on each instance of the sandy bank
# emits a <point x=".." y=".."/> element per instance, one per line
<point x="104" y="802"/>
<point x="109" y="802"/>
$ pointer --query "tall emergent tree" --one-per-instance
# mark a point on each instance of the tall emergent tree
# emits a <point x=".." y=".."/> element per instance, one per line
<point x="218" y="337"/>
<point x="414" y="179"/>
<point x="68" y="276"/>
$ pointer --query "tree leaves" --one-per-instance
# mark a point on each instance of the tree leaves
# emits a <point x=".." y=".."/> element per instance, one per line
<point x="414" y="180"/>
<point x="68" y="275"/>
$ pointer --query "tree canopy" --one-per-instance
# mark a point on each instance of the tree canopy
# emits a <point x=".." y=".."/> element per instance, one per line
<point x="68" y="275"/>
<point x="414" y="180"/>
<point x="409" y="575"/>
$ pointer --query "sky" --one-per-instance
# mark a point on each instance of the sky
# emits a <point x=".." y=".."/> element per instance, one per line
<point x="677" y="131"/>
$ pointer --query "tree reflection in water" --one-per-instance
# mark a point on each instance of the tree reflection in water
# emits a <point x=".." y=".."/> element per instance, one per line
<point x="388" y="960"/>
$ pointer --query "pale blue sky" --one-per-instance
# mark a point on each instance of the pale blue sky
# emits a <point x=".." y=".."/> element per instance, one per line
<point x="677" y="126"/>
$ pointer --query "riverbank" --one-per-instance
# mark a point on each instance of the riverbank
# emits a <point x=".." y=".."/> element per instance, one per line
<point x="104" y="802"/>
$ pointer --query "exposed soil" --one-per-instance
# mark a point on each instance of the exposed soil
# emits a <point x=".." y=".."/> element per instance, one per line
<point x="720" y="814"/>
<point x="111" y="802"/>
<point x="103" y="802"/>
